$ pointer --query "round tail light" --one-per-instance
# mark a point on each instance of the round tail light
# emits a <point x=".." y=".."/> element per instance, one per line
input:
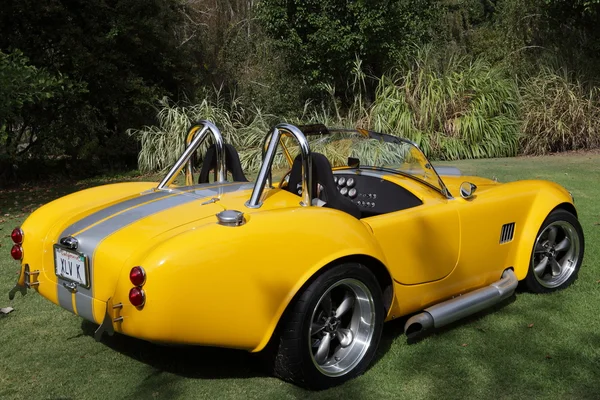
<point x="17" y="235"/>
<point x="137" y="297"/>
<point x="137" y="276"/>
<point x="16" y="252"/>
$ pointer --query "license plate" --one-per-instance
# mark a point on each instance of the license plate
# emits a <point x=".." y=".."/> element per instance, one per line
<point x="71" y="265"/>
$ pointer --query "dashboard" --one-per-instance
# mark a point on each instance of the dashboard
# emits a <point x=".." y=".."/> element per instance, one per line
<point x="372" y="194"/>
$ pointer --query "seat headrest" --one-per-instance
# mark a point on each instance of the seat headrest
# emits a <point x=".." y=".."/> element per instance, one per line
<point x="232" y="164"/>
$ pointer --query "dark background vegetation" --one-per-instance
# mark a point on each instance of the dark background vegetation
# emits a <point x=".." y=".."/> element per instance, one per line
<point x="75" y="75"/>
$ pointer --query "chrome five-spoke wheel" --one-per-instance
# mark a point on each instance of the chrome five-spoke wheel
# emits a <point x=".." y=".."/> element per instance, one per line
<point x="557" y="253"/>
<point x="342" y="326"/>
<point x="331" y="332"/>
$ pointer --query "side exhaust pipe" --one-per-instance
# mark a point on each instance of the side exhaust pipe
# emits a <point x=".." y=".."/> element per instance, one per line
<point x="459" y="307"/>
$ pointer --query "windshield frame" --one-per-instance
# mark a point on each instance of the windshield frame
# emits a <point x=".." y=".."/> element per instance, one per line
<point x="322" y="130"/>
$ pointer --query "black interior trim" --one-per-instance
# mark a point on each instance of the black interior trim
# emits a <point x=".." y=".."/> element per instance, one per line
<point x="322" y="178"/>
<point x="232" y="164"/>
<point x="375" y="195"/>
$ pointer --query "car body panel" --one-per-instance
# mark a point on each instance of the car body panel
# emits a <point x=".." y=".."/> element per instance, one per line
<point x="247" y="294"/>
<point x="401" y="236"/>
<point x="44" y="225"/>
<point x="482" y="257"/>
<point x="227" y="286"/>
<point x="195" y="250"/>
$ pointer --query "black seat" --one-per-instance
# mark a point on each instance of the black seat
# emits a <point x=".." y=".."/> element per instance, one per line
<point x="322" y="175"/>
<point x="232" y="164"/>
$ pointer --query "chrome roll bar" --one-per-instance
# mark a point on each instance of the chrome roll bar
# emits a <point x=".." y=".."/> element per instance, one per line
<point x="264" y="175"/>
<point x="196" y="135"/>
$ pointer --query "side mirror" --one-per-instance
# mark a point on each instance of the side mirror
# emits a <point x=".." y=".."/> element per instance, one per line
<point x="467" y="190"/>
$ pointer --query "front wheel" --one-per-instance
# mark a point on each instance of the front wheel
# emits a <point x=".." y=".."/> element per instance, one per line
<point x="557" y="253"/>
<point x="332" y="330"/>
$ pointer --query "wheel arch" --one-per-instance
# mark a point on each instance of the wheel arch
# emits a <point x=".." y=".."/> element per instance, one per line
<point x="540" y="210"/>
<point x="567" y="207"/>
<point x="376" y="266"/>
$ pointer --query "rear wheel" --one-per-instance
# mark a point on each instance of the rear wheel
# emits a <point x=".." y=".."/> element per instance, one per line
<point x="332" y="331"/>
<point x="557" y="253"/>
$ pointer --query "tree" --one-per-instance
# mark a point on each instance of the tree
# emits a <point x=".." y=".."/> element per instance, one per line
<point x="121" y="56"/>
<point x="22" y="84"/>
<point x="323" y="38"/>
<point x="24" y="90"/>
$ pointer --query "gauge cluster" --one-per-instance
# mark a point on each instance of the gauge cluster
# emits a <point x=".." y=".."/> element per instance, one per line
<point x="373" y="194"/>
<point x="347" y="187"/>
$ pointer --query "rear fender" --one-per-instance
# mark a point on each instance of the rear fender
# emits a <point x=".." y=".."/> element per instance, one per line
<point x="229" y="286"/>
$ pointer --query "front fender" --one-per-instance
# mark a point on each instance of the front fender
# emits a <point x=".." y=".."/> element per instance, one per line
<point x="228" y="286"/>
<point x="549" y="196"/>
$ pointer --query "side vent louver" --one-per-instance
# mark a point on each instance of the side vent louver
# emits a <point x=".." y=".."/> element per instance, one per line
<point x="507" y="233"/>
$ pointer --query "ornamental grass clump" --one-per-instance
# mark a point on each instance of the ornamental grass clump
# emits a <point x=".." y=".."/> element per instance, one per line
<point x="559" y="114"/>
<point x="452" y="107"/>
<point x="162" y="144"/>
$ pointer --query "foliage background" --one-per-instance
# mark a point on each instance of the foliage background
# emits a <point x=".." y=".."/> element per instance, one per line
<point x="80" y="81"/>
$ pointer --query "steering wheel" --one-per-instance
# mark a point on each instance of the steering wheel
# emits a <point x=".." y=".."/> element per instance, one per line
<point x="285" y="179"/>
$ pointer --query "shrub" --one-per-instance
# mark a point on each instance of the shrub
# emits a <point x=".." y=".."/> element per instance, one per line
<point x="559" y="114"/>
<point x="322" y="37"/>
<point x="453" y="107"/>
<point x="163" y="144"/>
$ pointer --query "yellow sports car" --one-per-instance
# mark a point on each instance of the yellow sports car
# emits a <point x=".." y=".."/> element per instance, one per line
<point x="308" y="266"/>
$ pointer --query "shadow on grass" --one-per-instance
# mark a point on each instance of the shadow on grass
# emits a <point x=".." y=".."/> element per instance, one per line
<point x="219" y="363"/>
<point x="395" y="328"/>
<point x="502" y="358"/>
<point x="507" y="362"/>
<point x="187" y="361"/>
<point x="22" y="199"/>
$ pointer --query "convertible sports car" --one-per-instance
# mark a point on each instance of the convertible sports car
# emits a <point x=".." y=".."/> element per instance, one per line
<point x="308" y="268"/>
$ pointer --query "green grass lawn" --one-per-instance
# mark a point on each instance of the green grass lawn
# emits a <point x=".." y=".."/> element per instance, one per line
<point x="537" y="346"/>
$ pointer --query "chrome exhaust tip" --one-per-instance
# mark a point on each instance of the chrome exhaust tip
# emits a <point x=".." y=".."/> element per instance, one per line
<point x="417" y="324"/>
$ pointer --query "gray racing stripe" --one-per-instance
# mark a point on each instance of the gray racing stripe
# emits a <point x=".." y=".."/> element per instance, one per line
<point x="108" y="211"/>
<point x="84" y="305"/>
<point x="91" y="238"/>
<point x="217" y="191"/>
<point x="65" y="300"/>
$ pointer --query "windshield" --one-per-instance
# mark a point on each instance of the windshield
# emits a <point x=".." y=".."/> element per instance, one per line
<point x="345" y="148"/>
<point x="376" y="151"/>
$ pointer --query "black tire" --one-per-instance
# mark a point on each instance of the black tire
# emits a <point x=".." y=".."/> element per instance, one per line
<point x="553" y="266"/>
<point x="297" y="357"/>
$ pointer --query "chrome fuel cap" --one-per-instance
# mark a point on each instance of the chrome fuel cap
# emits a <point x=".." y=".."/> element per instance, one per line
<point x="231" y="218"/>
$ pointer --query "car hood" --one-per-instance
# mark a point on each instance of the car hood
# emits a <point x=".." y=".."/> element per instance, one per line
<point x="483" y="184"/>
